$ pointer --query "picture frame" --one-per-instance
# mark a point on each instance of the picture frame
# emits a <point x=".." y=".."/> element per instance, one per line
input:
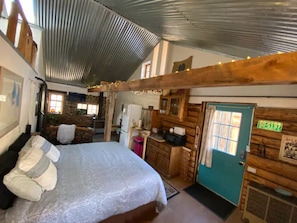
<point x="11" y="86"/>
<point x="288" y="149"/>
<point x="183" y="65"/>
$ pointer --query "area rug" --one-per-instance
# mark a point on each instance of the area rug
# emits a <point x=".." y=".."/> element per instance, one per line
<point x="212" y="201"/>
<point x="170" y="190"/>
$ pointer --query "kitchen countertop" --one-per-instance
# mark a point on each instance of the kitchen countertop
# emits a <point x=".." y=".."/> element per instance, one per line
<point x="157" y="137"/>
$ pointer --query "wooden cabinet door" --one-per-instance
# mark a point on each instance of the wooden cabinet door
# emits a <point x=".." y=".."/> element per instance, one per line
<point x="151" y="156"/>
<point x="163" y="164"/>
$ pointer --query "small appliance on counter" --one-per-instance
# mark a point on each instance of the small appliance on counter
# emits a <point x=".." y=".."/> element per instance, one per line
<point x="175" y="138"/>
<point x="179" y="131"/>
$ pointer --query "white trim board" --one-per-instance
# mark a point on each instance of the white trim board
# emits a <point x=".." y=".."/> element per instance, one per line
<point x="259" y="101"/>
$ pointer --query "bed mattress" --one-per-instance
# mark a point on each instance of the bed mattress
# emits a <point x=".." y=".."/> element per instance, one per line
<point x="95" y="181"/>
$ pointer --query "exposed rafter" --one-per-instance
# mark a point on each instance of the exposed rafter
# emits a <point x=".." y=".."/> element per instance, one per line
<point x="266" y="70"/>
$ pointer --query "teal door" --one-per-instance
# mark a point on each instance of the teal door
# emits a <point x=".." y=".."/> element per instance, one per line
<point x="230" y="136"/>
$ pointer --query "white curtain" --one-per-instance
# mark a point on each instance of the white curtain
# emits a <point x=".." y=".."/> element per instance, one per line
<point x="205" y="157"/>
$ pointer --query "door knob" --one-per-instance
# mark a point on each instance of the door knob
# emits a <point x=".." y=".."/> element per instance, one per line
<point x="241" y="163"/>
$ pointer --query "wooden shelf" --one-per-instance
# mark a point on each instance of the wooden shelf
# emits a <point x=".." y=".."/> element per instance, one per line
<point x="174" y="104"/>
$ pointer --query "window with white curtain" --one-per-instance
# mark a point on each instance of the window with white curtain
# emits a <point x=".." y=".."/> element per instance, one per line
<point x="226" y="126"/>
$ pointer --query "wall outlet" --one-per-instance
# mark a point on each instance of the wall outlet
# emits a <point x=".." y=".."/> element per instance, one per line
<point x="251" y="169"/>
<point x="3" y="98"/>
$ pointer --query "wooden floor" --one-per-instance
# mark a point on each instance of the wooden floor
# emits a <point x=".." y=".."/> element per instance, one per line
<point x="182" y="208"/>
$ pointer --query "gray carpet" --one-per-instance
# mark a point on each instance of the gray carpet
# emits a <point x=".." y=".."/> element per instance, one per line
<point x="170" y="190"/>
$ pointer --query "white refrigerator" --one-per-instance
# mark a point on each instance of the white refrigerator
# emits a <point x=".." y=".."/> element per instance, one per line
<point x="131" y="114"/>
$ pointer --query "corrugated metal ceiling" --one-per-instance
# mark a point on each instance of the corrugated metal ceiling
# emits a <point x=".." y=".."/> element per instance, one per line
<point x="87" y="41"/>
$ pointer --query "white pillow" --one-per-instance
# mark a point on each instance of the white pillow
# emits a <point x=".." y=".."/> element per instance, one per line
<point x="22" y="186"/>
<point x="49" y="149"/>
<point x="36" y="165"/>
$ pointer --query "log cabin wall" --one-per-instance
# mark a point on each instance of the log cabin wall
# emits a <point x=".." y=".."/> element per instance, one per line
<point x="264" y="152"/>
<point x="194" y="117"/>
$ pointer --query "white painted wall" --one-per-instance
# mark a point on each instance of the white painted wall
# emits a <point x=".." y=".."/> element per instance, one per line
<point x="129" y="97"/>
<point x="11" y="60"/>
<point x="201" y="58"/>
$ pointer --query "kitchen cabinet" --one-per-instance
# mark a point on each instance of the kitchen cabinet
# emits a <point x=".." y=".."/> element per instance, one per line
<point x="174" y="104"/>
<point x="163" y="157"/>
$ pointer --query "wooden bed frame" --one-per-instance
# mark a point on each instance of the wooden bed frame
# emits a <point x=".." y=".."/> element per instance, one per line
<point x="143" y="213"/>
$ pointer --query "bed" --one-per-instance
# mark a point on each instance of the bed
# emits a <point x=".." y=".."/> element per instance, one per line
<point x="95" y="182"/>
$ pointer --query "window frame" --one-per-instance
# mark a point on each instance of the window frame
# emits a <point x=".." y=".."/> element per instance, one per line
<point x="49" y="106"/>
<point x="217" y="136"/>
<point x="87" y="108"/>
<point x="146" y="70"/>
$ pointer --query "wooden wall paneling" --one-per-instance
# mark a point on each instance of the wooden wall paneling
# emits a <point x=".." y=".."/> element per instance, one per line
<point x="270" y="153"/>
<point x="270" y="171"/>
<point x="284" y="169"/>
<point x="194" y="117"/>
<point x="277" y="114"/>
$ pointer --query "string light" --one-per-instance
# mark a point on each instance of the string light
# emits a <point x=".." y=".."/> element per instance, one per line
<point x="153" y="92"/>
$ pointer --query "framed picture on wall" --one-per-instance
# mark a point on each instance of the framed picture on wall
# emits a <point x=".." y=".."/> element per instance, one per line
<point x="10" y="100"/>
<point x="288" y="149"/>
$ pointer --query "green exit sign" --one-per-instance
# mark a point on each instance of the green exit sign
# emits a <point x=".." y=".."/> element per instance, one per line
<point x="270" y="125"/>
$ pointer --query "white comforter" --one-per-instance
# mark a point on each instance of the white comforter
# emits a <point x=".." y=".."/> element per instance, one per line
<point x="95" y="181"/>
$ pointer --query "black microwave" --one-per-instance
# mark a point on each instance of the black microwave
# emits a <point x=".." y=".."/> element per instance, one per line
<point x="175" y="139"/>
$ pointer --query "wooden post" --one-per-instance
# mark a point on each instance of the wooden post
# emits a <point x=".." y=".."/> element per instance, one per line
<point x="23" y="38"/>
<point x="110" y="105"/>
<point x="12" y="22"/>
<point x="34" y="54"/>
<point x="1" y="6"/>
<point x="28" y="49"/>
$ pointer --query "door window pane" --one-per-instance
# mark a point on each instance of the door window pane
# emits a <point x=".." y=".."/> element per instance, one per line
<point x="226" y="117"/>
<point x="236" y="119"/>
<point x="234" y="133"/>
<point x="225" y="133"/>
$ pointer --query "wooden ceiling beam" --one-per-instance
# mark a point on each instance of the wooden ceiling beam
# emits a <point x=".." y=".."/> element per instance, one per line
<point x="267" y="70"/>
